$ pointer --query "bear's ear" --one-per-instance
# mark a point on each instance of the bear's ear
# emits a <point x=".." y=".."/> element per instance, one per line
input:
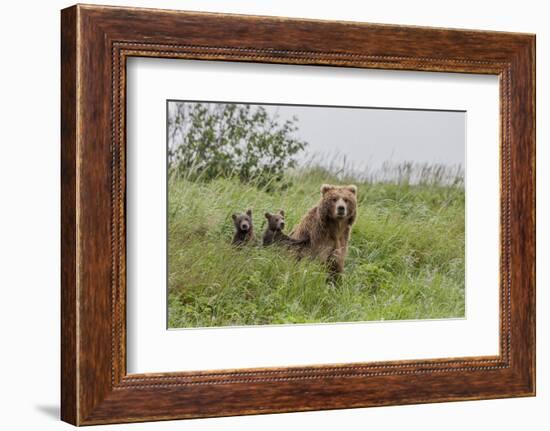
<point x="234" y="217"/>
<point x="325" y="188"/>
<point x="267" y="216"/>
<point x="352" y="188"/>
<point x="282" y="212"/>
<point x="249" y="212"/>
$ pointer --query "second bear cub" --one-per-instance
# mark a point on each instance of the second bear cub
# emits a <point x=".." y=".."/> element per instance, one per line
<point x="274" y="231"/>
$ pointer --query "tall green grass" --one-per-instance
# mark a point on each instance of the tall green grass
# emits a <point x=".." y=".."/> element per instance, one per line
<point x="405" y="258"/>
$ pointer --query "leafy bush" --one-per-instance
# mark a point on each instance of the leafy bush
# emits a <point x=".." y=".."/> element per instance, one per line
<point x="208" y="141"/>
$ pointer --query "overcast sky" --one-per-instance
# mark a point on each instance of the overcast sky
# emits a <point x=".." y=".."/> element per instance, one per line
<point x="370" y="137"/>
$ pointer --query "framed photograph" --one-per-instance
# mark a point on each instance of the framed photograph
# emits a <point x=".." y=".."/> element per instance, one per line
<point x="265" y="215"/>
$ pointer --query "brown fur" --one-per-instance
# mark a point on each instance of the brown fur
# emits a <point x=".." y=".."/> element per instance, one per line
<point x="244" y="230"/>
<point x="274" y="230"/>
<point x="326" y="228"/>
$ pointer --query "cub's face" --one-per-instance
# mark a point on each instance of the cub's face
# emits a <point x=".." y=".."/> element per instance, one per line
<point x="276" y="221"/>
<point x="243" y="222"/>
<point x="339" y="202"/>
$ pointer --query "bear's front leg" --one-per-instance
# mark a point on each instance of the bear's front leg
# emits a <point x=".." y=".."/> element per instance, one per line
<point x="336" y="260"/>
<point x="338" y="264"/>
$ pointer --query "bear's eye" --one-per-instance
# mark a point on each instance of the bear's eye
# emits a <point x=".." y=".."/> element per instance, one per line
<point x="334" y="199"/>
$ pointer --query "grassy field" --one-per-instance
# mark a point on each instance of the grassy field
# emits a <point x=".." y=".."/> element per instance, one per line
<point x="405" y="260"/>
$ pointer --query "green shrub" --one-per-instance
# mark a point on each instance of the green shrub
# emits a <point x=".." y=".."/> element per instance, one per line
<point x="219" y="140"/>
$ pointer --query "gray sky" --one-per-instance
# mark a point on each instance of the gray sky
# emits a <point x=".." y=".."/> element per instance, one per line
<point x="370" y="137"/>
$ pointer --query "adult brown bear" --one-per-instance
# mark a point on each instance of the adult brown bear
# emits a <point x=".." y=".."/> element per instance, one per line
<point x="327" y="226"/>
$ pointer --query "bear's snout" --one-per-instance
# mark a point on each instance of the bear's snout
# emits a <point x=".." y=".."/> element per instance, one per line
<point x="277" y="223"/>
<point x="341" y="208"/>
<point x="245" y="226"/>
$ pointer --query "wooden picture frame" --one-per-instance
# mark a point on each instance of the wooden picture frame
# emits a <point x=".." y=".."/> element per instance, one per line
<point x="95" y="43"/>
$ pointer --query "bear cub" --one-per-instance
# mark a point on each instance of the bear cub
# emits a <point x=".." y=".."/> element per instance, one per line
<point x="274" y="231"/>
<point x="244" y="230"/>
